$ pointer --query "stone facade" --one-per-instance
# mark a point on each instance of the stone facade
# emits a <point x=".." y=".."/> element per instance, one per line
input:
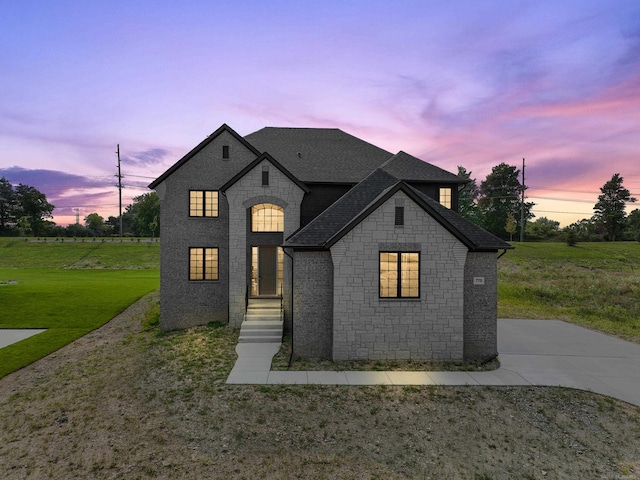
<point x="312" y="304"/>
<point x="366" y="326"/>
<point x="242" y="195"/>
<point x="331" y="285"/>
<point x="481" y="306"/>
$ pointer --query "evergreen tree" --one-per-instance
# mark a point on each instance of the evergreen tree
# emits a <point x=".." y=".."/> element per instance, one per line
<point x="468" y="197"/>
<point x="610" y="214"/>
<point x="633" y="225"/>
<point x="500" y="194"/>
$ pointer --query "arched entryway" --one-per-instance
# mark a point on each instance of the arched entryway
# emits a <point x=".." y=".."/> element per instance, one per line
<point x="267" y="257"/>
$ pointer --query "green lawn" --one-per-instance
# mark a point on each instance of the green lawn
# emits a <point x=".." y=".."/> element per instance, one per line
<point x="68" y="288"/>
<point x="593" y="284"/>
<point x="73" y="287"/>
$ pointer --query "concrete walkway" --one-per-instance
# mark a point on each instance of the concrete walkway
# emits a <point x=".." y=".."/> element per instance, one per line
<point x="10" y="335"/>
<point x="532" y="352"/>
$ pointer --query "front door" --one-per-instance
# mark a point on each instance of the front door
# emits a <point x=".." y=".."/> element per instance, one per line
<point x="267" y="270"/>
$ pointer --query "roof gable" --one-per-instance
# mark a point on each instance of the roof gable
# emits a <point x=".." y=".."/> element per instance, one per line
<point x="256" y="162"/>
<point x="223" y="128"/>
<point x="352" y="208"/>
<point x="339" y="215"/>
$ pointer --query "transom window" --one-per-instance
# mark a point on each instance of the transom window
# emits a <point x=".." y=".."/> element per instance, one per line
<point x="203" y="203"/>
<point x="203" y="263"/>
<point x="399" y="274"/>
<point x="445" y="197"/>
<point x="266" y="217"/>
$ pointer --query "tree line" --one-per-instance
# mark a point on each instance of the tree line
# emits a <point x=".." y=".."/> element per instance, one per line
<point x="497" y="205"/>
<point x="25" y="211"/>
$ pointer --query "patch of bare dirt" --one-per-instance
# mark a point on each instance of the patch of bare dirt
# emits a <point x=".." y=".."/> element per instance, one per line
<point x="126" y="403"/>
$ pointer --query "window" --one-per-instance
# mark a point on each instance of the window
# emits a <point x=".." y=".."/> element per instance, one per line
<point x="266" y="217"/>
<point x="445" y="197"/>
<point x="399" y="216"/>
<point x="399" y="274"/>
<point x="203" y="263"/>
<point x="225" y="151"/>
<point x="265" y="177"/>
<point x="203" y="203"/>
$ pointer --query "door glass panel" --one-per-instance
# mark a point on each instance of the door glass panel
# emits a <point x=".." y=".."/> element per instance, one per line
<point x="280" y="271"/>
<point x="254" y="271"/>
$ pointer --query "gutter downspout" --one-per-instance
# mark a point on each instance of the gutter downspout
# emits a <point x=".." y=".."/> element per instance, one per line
<point x="503" y="252"/>
<point x="291" y="293"/>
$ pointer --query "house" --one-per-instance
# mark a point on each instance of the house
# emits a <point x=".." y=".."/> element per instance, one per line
<point x="363" y="249"/>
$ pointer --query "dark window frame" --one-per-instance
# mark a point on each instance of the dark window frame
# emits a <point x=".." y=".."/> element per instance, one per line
<point x="398" y="295"/>
<point x="202" y="268"/>
<point x="447" y="199"/>
<point x="225" y="151"/>
<point x="265" y="178"/>
<point x="203" y="209"/>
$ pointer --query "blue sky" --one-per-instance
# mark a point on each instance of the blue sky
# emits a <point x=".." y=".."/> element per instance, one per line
<point x="468" y="83"/>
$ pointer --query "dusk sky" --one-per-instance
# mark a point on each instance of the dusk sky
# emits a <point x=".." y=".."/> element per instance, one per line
<point x="470" y="83"/>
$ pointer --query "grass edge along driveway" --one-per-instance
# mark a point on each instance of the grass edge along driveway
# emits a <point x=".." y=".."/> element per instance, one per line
<point x="68" y="303"/>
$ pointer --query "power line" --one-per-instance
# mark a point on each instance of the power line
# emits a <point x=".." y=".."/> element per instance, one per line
<point x="141" y="176"/>
<point x="561" y="199"/>
<point x="567" y="213"/>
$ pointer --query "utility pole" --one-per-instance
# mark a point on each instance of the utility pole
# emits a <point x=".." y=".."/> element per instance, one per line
<point x="522" y="206"/>
<point x="120" y="187"/>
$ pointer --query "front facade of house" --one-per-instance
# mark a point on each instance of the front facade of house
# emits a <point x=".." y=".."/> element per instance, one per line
<point x="363" y="247"/>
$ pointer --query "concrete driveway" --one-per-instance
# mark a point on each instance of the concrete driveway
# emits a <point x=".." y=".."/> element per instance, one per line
<point x="555" y="353"/>
<point x="532" y="352"/>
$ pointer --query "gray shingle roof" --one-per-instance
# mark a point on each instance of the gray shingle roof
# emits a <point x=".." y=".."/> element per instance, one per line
<point x="320" y="154"/>
<point x="411" y="169"/>
<point x="330" y="222"/>
<point x="365" y="197"/>
<point x="325" y="155"/>
<point x="474" y="237"/>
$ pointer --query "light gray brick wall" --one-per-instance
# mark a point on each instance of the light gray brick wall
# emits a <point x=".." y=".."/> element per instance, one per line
<point x="368" y="327"/>
<point x="481" y="306"/>
<point x="245" y="193"/>
<point x="312" y="304"/>
<point x="185" y="303"/>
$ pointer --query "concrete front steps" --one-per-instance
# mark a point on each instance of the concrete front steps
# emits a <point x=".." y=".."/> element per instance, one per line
<point x="263" y="321"/>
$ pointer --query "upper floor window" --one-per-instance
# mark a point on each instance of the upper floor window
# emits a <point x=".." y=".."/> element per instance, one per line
<point x="266" y="217"/>
<point x="203" y="203"/>
<point x="225" y="151"/>
<point x="399" y="274"/>
<point x="445" y="197"/>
